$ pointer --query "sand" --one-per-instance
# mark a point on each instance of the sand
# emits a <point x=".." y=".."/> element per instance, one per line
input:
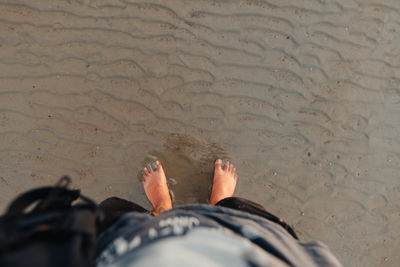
<point x="302" y="96"/>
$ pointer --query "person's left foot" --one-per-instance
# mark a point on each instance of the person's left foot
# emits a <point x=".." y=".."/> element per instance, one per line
<point x="155" y="186"/>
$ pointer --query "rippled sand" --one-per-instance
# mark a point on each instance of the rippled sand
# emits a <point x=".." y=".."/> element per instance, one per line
<point x="302" y="96"/>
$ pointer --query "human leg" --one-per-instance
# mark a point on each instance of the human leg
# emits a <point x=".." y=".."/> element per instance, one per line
<point x="251" y="207"/>
<point x="156" y="189"/>
<point x="224" y="184"/>
<point x="114" y="207"/>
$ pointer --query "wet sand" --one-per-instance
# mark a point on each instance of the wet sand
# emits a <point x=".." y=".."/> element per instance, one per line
<point x="302" y="96"/>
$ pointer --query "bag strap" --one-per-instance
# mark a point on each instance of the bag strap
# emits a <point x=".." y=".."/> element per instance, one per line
<point x="56" y="197"/>
<point x="54" y="203"/>
<point x="49" y="197"/>
<point x="81" y="224"/>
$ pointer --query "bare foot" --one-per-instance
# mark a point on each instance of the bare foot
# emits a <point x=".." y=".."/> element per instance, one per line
<point x="155" y="186"/>
<point x="224" y="182"/>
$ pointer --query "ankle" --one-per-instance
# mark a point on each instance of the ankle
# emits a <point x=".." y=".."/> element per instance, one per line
<point x="161" y="207"/>
<point x="213" y="201"/>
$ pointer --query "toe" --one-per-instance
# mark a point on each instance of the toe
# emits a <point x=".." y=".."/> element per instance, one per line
<point x="218" y="164"/>
<point x="149" y="168"/>
<point x="231" y="170"/>
<point x="227" y="165"/>
<point x="159" y="166"/>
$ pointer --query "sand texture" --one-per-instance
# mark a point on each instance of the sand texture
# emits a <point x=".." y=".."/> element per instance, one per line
<point x="302" y="96"/>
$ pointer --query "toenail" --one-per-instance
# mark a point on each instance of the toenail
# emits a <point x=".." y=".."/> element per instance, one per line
<point x="149" y="168"/>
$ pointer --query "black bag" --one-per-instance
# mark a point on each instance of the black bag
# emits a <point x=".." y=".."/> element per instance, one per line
<point x="53" y="232"/>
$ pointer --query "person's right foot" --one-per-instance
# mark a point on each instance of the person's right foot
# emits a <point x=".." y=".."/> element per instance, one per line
<point x="224" y="181"/>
